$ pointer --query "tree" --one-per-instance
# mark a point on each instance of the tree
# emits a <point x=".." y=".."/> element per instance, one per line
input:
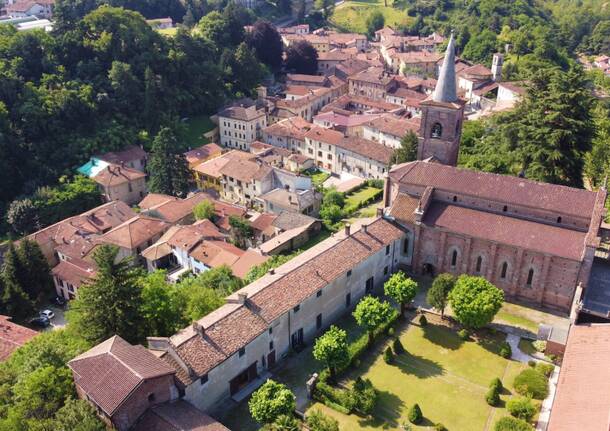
<point x="374" y="21"/>
<point x="15" y="301"/>
<point x="204" y="210"/>
<point x="77" y="415"/>
<point x="475" y="301"/>
<point x="246" y="70"/>
<point x="241" y="231"/>
<point x="267" y="44"/>
<point x="331" y="348"/>
<point x="599" y="41"/>
<point x="408" y="149"/>
<point x="110" y="303"/>
<point x="167" y="166"/>
<point x="415" y="415"/>
<point x="401" y="289"/>
<point x="508" y="423"/>
<point x="371" y="313"/>
<point x="22" y="216"/>
<point x="162" y="307"/>
<point x="326" y="6"/>
<point x="439" y="292"/>
<point x="36" y="274"/>
<point x="318" y="421"/>
<point x="270" y="401"/>
<point x="480" y="47"/>
<point x="302" y="57"/>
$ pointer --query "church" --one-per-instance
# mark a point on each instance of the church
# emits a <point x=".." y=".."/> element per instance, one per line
<point x="534" y="240"/>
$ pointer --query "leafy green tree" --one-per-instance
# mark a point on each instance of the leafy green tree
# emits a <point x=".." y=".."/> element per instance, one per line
<point x="270" y="401"/>
<point x="508" y="423"/>
<point x="162" y="306"/>
<point x="331" y="348"/>
<point x="597" y="161"/>
<point x="326" y="6"/>
<point x="438" y="293"/>
<point x="22" y="216"/>
<point x="267" y="44"/>
<point x="110" y="303"/>
<point x="481" y="47"/>
<point x="333" y="197"/>
<point x="318" y="421"/>
<point x="167" y="165"/>
<point x="475" y="301"/>
<point x="36" y="276"/>
<point x="371" y="313"/>
<point x="204" y="210"/>
<point x="408" y="149"/>
<point x="599" y="41"/>
<point x="374" y="21"/>
<point x="247" y="70"/>
<point x="401" y="289"/>
<point x="302" y="57"/>
<point x="77" y="415"/>
<point x="415" y="415"/>
<point x="15" y="301"/>
<point x="283" y="423"/>
<point x="241" y="231"/>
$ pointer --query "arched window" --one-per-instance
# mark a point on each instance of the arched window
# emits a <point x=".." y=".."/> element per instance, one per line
<point x="479" y="264"/>
<point x="559" y="219"/>
<point x="437" y="130"/>
<point x="453" y="258"/>
<point x="455" y="199"/>
<point x="530" y="277"/>
<point x="504" y="270"/>
<point x="505" y="208"/>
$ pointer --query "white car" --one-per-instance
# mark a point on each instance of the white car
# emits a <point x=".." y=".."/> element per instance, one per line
<point x="47" y="313"/>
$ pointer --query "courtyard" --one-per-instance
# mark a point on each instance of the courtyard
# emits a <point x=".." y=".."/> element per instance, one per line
<point x="350" y="16"/>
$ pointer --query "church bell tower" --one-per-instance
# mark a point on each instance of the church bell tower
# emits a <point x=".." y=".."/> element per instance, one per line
<point x="442" y="116"/>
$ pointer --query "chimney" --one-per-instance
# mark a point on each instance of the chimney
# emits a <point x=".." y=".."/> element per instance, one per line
<point x="347" y="229"/>
<point x="364" y="228"/>
<point x="380" y="212"/>
<point x="241" y="297"/>
<point x="198" y="328"/>
<point x="272" y="271"/>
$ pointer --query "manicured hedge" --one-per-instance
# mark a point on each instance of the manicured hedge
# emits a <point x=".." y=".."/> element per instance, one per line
<point x="512" y="424"/>
<point x="533" y="383"/>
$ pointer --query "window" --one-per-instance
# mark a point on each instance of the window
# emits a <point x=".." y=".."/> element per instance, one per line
<point x="369" y="285"/>
<point x="319" y="153"/>
<point x="479" y="263"/>
<point x="129" y="187"/>
<point x="387" y="250"/>
<point x="319" y="321"/>
<point x="270" y="330"/>
<point x="203" y="380"/>
<point x="385" y="270"/>
<point x="318" y="293"/>
<point x="297" y="308"/>
<point x="504" y="270"/>
<point x="454" y="256"/>
<point x="437" y="130"/>
<point x="329" y="157"/>
<point x="455" y="199"/>
<point x="151" y="398"/>
<point x="348" y="299"/>
<point x="530" y="277"/>
<point x="349" y="273"/>
<point x="270" y="345"/>
<point x="405" y="246"/>
<point x="505" y="208"/>
<point x="242" y="352"/>
<point x="559" y="219"/>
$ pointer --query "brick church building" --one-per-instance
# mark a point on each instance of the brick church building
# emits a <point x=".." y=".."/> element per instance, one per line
<point x="534" y="240"/>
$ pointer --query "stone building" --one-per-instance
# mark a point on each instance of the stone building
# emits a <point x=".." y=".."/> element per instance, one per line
<point x="241" y="124"/>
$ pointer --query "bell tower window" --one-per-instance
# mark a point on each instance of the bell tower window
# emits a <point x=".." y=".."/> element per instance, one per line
<point x="437" y="130"/>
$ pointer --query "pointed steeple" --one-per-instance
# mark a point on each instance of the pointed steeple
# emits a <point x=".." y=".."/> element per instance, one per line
<point x="445" y="86"/>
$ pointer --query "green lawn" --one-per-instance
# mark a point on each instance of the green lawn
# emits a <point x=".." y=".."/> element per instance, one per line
<point x="356" y="198"/>
<point x="195" y="128"/>
<point x="168" y="31"/>
<point x="351" y="15"/>
<point x="317" y="176"/>
<point x="446" y="376"/>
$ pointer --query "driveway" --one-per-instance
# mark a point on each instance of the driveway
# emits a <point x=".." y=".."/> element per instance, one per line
<point x="59" y="321"/>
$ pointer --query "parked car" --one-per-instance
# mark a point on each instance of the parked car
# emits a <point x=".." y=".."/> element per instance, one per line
<point x="47" y="313"/>
<point x="41" y="322"/>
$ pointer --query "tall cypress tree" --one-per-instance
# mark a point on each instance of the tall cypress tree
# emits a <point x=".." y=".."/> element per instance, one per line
<point x="167" y="166"/>
<point x="110" y="303"/>
<point x="36" y="275"/>
<point x="14" y="301"/>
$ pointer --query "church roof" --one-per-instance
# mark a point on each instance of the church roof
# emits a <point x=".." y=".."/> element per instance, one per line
<point x="445" y="91"/>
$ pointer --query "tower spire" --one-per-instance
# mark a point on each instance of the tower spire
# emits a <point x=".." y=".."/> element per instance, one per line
<point x="445" y="86"/>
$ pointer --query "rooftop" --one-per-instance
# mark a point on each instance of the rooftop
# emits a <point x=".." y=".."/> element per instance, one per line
<point x="394" y="126"/>
<point x="246" y="170"/>
<point x="114" y="175"/>
<point x="177" y="416"/>
<point x="202" y="153"/>
<point x="12" y="336"/>
<point x="135" y="232"/>
<point x="369" y="149"/>
<point x="127" y="155"/>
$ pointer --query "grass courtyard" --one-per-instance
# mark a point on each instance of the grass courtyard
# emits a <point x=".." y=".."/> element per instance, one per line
<point x="351" y="15"/>
<point x="445" y="375"/>
<point x="195" y="128"/>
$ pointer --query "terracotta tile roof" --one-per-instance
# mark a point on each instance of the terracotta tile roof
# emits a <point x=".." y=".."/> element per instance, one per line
<point x="395" y="126"/>
<point x="177" y="416"/>
<point x="263" y="221"/>
<point x="406" y="93"/>
<point x="234" y="325"/>
<point x="135" y="232"/>
<point x="114" y="175"/>
<point x="495" y="187"/>
<point x="369" y="149"/>
<point x="154" y="199"/>
<point x="582" y="399"/>
<point x="296" y="200"/>
<point x="339" y="119"/>
<point x="246" y="170"/>
<point x="212" y="167"/>
<point x="74" y="271"/>
<point x="334" y="55"/>
<point x="12" y="336"/>
<point x="216" y="253"/>
<point x="403" y="208"/>
<point x="186" y="237"/>
<point x="294" y="127"/>
<point x="416" y="57"/>
<point x="312" y="79"/>
<point x="251" y="258"/>
<point x="284" y="237"/>
<point x="516" y="87"/>
<point x="175" y="210"/>
<point x="223" y="211"/>
<point x="287" y="220"/>
<point x="522" y="233"/>
<point x="129" y="154"/>
<point x="321" y="134"/>
<point x="373" y="75"/>
<point x="350" y="102"/>
<point x="110" y="371"/>
<point x="298" y="90"/>
<point x="477" y="70"/>
<point x="202" y="153"/>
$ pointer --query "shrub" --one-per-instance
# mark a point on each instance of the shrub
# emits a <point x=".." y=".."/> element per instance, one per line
<point x="390" y="331"/>
<point x="422" y="320"/>
<point x="521" y="408"/>
<point x="496" y="384"/>
<point x="440" y="427"/>
<point x="398" y="347"/>
<point x="336" y="407"/>
<point x="512" y="424"/>
<point x="506" y="351"/>
<point x="531" y="363"/>
<point x="532" y="383"/>
<point x="388" y="356"/>
<point x="318" y="421"/>
<point x="415" y="415"/>
<point x="366" y="396"/>
<point x="464" y="334"/>
<point x="545" y="369"/>
<point x="345" y="399"/>
<point x="406" y="426"/>
<point x="492" y="397"/>
<point x="539" y="345"/>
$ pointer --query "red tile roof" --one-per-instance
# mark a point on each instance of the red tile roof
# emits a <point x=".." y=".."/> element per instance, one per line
<point x="74" y="271"/>
<point x="582" y="399"/>
<point x="366" y="148"/>
<point x="246" y="170"/>
<point x="110" y="371"/>
<point x="155" y="199"/>
<point x="12" y="336"/>
<point x="129" y="154"/>
<point x="395" y="126"/>
<point x="114" y="175"/>
<point x="526" y="234"/>
<point x="498" y="188"/>
<point x="177" y="416"/>
<point x="321" y="134"/>
<point x="135" y="232"/>
<point x="202" y="153"/>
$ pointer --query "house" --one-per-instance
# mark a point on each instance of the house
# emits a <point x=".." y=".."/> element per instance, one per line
<point x="288" y="133"/>
<point x="160" y="23"/>
<point x="219" y="355"/>
<point x="38" y="8"/>
<point x="133" y="157"/>
<point x="302" y="201"/>
<point x="374" y="83"/>
<point x="70" y="274"/>
<point x="293" y="230"/>
<point x="207" y="174"/>
<point x="199" y="155"/>
<point x="241" y="124"/>
<point x="418" y="63"/>
<point x="406" y="97"/>
<point x="128" y="386"/>
<point x="12" y="336"/>
<point x="346" y="122"/>
<point x="175" y="210"/>
<point x="327" y="61"/>
<point x="389" y="130"/>
<point x="121" y="183"/>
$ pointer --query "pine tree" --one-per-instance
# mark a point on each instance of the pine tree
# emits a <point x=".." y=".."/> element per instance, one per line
<point x="167" y="167"/>
<point x="36" y="272"/>
<point x="111" y="302"/>
<point x="14" y="301"/>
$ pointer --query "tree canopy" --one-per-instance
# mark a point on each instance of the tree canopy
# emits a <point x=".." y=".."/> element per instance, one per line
<point x="438" y="293"/>
<point x="331" y="348"/>
<point x="270" y="401"/>
<point x="370" y="313"/>
<point x="475" y="301"/>
<point x="302" y="57"/>
<point x="400" y="288"/>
